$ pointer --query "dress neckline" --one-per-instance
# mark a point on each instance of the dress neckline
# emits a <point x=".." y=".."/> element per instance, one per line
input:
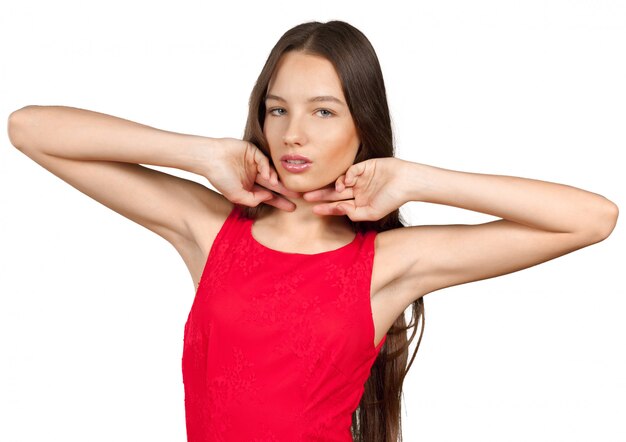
<point x="250" y="223"/>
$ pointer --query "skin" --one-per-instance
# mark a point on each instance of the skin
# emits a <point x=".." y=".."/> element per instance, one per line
<point x="323" y="131"/>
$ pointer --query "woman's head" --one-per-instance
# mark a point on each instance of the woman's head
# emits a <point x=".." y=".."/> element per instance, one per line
<point x="320" y="59"/>
<point x="307" y="115"/>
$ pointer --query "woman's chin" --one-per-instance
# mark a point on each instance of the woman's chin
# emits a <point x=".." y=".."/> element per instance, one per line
<point x="304" y="182"/>
<point x="301" y="187"/>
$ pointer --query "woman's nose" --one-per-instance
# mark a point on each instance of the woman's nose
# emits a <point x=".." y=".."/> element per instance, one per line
<point x="294" y="134"/>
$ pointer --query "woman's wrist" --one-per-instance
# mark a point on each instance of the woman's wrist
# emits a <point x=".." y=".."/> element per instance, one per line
<point x="198" y="155"/>
<point x="415" y="181"/>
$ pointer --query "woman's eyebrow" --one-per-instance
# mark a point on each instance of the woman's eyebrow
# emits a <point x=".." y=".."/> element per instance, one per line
<point x="310" y="100"/>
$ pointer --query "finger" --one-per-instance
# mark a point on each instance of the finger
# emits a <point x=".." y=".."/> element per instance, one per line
<point x="263" y="195"/>
<point x="331" y="209"/>
<point x="278" y="187"/>
<point x="361" y="213"/>
<point x="263" y="164"/>
<point x="328" y="194"/>
<point x="264" y="171"/>
<point x="254" y="197"/>
<point x="344" y="208"/>
<point x="353" y="173"/>
<point x="260" y="160"/>
<point x="340" y="185"/>
<point x="281" y="203"/>
<point x="314" y="195"/>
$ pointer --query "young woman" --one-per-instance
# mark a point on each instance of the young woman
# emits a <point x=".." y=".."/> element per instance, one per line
<point x="302" y="264"/>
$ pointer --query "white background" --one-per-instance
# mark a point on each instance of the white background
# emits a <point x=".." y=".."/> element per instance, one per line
<point x="92" y="306"/>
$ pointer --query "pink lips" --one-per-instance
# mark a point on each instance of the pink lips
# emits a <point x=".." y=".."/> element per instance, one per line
<point x="294" y="157"/>
<point x="295" y="167"/>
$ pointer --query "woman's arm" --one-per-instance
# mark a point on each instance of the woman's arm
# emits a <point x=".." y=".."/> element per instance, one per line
<point x="540" y="221"/>
<point x="81" y="134"/>
<point x="542" y="205"/>
<point x="99" y="155"/>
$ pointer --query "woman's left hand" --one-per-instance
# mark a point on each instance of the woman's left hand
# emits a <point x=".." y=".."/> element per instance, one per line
<point x="368" y="191"/>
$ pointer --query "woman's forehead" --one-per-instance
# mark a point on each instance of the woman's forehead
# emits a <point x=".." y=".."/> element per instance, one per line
<point x="300" y="76"/>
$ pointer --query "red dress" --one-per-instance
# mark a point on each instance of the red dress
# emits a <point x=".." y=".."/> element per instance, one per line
<point x="277" y="345"/>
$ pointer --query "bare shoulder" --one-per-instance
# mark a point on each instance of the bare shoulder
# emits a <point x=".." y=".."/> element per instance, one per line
<point x="390" y="247"/>
<point x="204" y="222"/>
<point x="390" y="286"/>
<point x="391" y="292"/>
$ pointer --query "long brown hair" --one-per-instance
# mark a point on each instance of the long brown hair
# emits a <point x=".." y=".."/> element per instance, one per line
<point x="378" y="416"/>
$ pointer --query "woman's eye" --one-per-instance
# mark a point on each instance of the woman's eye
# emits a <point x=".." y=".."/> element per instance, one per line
<point x="328" y="113"/>
<point x="271" y="111"/>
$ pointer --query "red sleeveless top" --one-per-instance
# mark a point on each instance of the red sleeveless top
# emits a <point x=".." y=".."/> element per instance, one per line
<point x="277" y="345"/>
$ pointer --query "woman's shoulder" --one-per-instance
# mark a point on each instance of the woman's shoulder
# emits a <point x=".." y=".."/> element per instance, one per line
<point x="389" y="248"/>
<point x="204" y="225"/>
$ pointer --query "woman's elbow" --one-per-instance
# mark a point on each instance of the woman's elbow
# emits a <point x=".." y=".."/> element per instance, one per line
<point x="16" y="126"/>
<point x="607" y="221"/>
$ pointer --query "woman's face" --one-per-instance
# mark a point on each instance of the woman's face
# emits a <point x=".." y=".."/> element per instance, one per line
<point x="301" y="119"/>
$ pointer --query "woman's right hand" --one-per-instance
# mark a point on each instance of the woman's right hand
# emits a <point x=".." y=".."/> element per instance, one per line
<point x="242" y="173"/>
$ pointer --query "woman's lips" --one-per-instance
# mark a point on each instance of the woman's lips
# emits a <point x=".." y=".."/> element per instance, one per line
<point x="293" y="156"/>
<point x="295" y="167"/>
